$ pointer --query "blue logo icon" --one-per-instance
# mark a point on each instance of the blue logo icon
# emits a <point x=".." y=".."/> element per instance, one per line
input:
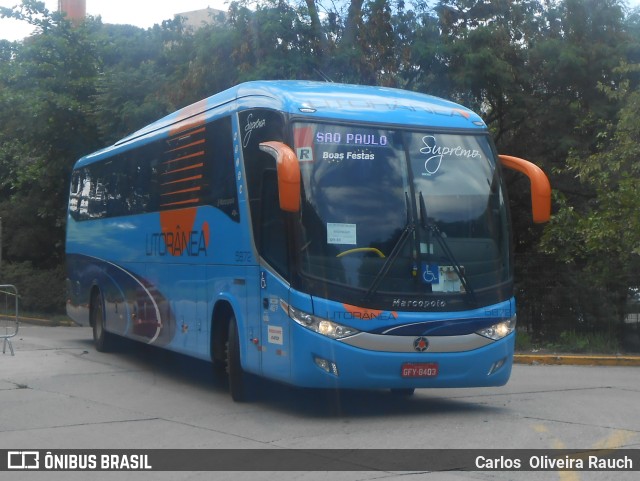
<point x="430" y="273"/>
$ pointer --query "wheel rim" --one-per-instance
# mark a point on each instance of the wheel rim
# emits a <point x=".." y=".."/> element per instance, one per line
<point x="97" y="319"/>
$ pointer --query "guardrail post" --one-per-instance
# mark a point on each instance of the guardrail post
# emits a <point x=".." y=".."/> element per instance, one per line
<point x="9" y="321"/>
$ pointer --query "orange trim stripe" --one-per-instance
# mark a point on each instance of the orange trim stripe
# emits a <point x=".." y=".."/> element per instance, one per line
<point x="184" y="191"/>
<point x="186" y="179"/>
<point x="190" y="167"/>
<point x="182" y="202"/>
<point x="190" y="117"/>
<point x="184" y="133"/>
<point x="190" y="156"/>
<point x="182" y="147"/>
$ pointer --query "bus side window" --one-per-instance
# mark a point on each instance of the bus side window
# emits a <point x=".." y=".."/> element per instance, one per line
<point x="223" y="192"/>
<point x="256" y="126"/>
<point x="273" y="237"/>
<point x="141" y="180"/>
<point x="96" y="208"/>
<point x="75" y="194"/>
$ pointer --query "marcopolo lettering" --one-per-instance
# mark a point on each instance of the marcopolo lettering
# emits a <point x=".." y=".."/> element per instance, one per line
<point x="421" y="303"/>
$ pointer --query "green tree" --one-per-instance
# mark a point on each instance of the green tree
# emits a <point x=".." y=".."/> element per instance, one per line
<point x="45" y="88"/>
<point x="581" y="45"/>
<point x="602" y="235"/>
<point x="139" y="71"/>
<point x="544" y="74"/>
<point x="534" y="70"/>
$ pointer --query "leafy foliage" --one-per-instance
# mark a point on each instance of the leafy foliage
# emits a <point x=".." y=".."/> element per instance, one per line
<point x="556" y="81"/>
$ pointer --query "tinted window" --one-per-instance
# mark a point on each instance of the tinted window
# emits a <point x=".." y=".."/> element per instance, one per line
<point x="267" y="219"/>
<point x="191" y="167"/>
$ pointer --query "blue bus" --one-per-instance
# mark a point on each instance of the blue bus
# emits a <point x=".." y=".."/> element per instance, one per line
<point x="316" y="234"/>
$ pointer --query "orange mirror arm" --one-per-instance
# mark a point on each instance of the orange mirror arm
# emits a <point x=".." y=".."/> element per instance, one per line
<point x="288" y="168"/>
<point x="540" y="186"/>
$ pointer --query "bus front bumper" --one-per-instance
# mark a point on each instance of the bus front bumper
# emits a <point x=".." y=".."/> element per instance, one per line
<point x="320" y="362"/>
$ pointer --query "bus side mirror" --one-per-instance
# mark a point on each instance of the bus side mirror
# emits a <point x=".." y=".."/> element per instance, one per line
<point x="288" y="168"/>
<point x="540" y="186"/>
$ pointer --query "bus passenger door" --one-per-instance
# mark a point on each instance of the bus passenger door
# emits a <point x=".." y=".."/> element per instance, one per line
<point x="272" y="244"/>
<point x="268" y="222"/>
<point x="275" y="327"/>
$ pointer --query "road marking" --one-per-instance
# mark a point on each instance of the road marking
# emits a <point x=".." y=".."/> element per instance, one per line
<point x="616" y="440"/>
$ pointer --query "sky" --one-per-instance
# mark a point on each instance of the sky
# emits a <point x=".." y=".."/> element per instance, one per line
<point x="142" y="13"/>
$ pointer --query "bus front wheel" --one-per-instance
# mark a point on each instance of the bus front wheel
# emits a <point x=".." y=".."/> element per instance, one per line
<point x="238" y="386"/>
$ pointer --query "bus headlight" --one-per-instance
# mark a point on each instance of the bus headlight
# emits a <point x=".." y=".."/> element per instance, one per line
<point x="317" y="324"/>
<point x="499" y="330"/>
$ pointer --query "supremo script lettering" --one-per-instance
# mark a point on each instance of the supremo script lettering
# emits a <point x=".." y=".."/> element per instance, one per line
<point x="192" y="244"/>
<point x="250" y="127"/>
<point x="437" y="152"/>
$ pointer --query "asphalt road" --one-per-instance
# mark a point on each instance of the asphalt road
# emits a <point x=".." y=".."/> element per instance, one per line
<point x="58" y="392"/>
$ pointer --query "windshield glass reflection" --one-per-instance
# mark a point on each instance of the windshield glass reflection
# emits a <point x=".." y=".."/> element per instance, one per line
<point x="391" y="211"/>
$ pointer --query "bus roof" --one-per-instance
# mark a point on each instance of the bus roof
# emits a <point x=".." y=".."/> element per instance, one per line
<point x="321" y="100"/>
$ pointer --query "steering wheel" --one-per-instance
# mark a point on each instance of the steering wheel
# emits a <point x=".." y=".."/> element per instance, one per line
<point x="362" y="249"/>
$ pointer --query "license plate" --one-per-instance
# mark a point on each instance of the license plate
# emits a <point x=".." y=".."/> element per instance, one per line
<point x="419" y="369"/>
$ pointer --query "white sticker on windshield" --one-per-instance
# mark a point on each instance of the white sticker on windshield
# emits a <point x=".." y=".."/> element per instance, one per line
<point x="341" y="234"/>
<point x="447" y="279"/>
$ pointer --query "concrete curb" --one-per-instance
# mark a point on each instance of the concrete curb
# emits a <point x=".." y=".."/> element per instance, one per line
<point x="45" y="322"/>
<point x="576" y="360"/>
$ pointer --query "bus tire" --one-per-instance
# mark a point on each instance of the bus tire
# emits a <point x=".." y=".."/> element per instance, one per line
<point x="103" y="340"/>
<point x="238" y="385"/>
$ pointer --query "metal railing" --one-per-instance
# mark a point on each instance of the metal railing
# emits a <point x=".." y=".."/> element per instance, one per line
<point x="9" y="321"/>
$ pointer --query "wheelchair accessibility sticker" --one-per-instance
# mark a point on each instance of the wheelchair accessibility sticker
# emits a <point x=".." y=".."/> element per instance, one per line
<point x="430" y="273"/>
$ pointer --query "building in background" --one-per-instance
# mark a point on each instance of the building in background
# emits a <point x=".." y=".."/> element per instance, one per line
<point x="198" y="18"/>
<point x="76" y="10"/>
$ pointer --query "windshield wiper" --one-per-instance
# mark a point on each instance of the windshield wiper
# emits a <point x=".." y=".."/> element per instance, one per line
<point x="407" y="232"/>
<point x="433" y="228"/>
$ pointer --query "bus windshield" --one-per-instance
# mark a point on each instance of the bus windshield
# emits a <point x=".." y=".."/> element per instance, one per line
<point x="388" y="211"/>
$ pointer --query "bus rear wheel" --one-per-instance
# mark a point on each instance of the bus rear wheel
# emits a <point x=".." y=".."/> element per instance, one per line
<point x="238" y="385"/>
<point x="103" y="340"/>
